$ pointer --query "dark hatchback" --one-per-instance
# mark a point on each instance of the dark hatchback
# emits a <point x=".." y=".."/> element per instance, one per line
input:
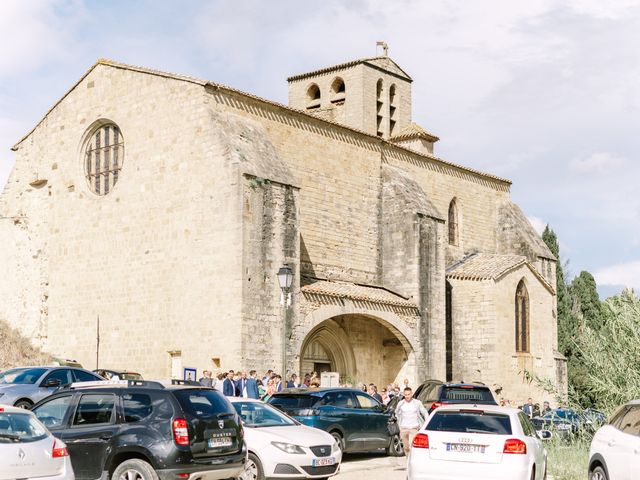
<point x="564" y="422"/>
<point x="146" y="430"/>
<point x="355" y="419"/>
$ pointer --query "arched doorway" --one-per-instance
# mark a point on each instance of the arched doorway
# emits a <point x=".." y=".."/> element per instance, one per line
<point x="360" y="348"/>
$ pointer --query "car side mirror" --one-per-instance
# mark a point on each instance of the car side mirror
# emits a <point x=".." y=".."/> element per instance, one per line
<point x="52" y="382"/>
<point x="544" y="434"/>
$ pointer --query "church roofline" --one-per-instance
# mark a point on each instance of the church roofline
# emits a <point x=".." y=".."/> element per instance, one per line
<point x="482" y="266"/>
<point x="413" y="130"/>
<point x="352" y="63"/>
<point x="206" y="83"/>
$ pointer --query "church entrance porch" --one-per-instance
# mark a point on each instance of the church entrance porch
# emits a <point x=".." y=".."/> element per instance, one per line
<point x="360" y="348"/>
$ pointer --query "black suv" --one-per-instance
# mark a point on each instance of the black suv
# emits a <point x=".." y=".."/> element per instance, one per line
<point x="434" y="393"/>
<point x="146" y="430"/>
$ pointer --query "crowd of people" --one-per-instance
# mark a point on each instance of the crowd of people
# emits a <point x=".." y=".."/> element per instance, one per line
<point x="240" y="384"/>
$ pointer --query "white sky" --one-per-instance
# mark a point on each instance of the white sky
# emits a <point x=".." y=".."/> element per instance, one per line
<point x="543" y="92"/>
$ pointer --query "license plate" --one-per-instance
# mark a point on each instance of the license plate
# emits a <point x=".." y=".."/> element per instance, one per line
<point x="323" y="462"/>
<point x="465" y="448"/>
<point x="220" y="442"/>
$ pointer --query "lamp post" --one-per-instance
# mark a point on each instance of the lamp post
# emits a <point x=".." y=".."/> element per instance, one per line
<point x="285" y="279"/>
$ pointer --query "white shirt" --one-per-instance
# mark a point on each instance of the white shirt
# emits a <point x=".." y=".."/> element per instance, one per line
<point x="409" y="414"/>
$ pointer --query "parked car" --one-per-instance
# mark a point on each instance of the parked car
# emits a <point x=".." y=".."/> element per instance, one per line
<point x="563" y="422"/>
<point x="23" y="387"/>
<point x="118" y="374"/>
<point x="357" y="421"/>
<point x="146" y="430"/>
<point x="596" y="417"/>
<point x="615" y="447"/>
<point x="29" y="450"/>
<point x="280" y="446"/>
<point x="434" y="393"/>
<point x="477" y="442"/>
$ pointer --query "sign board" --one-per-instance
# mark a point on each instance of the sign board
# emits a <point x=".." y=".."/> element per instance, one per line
<point x="329" y="379"/>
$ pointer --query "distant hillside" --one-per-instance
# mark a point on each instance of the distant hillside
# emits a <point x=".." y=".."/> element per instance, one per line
<point x="16" y="350"/>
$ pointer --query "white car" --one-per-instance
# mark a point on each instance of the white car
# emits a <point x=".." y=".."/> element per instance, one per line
<point x="477" y="442"/>
<point x="281" y="447"/>
<point x="28" y="450"/>
<point x="615" y="448"/>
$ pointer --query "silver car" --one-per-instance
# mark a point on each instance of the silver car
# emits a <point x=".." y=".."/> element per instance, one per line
<point x="24" y="387"/>
<point x="28" y="450"/>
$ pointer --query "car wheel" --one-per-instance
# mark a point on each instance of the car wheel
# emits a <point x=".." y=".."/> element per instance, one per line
<point x="26" y="404"/>
<point x="252" y="469"/>
<point x="598" y="473"/>
<point x="336" y="435"/>
<point x="134" y="469"/>
<point x="395" y="447"/>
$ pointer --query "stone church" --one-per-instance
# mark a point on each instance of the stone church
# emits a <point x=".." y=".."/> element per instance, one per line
<point x="163" y="206"/>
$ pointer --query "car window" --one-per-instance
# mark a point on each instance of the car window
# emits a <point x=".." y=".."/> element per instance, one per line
<point x="94" y="408"/>
<point x="82" y="376"/>
<point x="62" y="374"/>
<point x="527" y="428"/>
<point x="339" y="399"/>
<point x="617" y="416"/>
<point x="136" y="406"/>
<point x="52" y="412"/>
<point x="292" y="402"/>
<point x="21" y="375"/>
<point x="365" y="401"/>
<point x="203" y="403"/>
<point x="631" y="422"/>
<point x="468" y="394"/>
<point x="258" y="414"/>
<point x="20" y="427"/>
<point x="428" y="393"/>
<point x="470" y="422"/>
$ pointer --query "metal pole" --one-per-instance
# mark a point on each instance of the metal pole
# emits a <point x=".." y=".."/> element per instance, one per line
<point x="284" y="336"/>
<point x="97" y="341"/>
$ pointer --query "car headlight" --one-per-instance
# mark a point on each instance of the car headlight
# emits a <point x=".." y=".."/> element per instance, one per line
<point x="335" y="448"/>
<point x="288" y="447"/>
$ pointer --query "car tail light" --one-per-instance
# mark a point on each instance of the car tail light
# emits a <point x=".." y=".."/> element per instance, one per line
<point x="183" y="475"/>
<point x="421" y="440"/>
<point x="435" y="405"/>
<point x="59" y="450"/>
<point x="180" y="431"/>
<point x="513" y="445"/>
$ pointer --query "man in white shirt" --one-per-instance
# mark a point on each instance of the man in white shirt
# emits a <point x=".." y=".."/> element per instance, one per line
<point x="411" y="415"/>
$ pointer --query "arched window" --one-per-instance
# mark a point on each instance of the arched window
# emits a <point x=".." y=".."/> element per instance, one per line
<point x="522" y="318"/>
<point x="453" y="223"/>
<point x="379" y="105"/>
<point x="313" y="96"/>
<point x="392" y="109"/>
<point x="104" y="156"/>
<point x="337" y="90"/>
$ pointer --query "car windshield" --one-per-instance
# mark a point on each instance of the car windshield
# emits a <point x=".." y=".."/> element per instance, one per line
<point x="20" y="427"/>
<point x="23" y="376"/>
<point x="470" y="422"/>
<point x="255" y="414"/>
<point x="129" y="376"/>
<point x="203" y="403"/>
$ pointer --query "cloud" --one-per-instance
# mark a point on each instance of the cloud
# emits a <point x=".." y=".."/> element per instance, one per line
<point x="36" y="32"/>
<point x="599" y="162"/>
<point x="627" y="274"/>
<point x="538" y="224"/>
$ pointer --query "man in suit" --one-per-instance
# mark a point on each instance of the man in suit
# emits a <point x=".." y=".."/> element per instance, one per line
<point x="528" y="408"/>
<point x="228" y="388"/>
<point x="206" y="380"/>
<point x="278" y="381"/>
<point x="293" y="383"/>
<point x="241" y="385"/>
<point x="252" y="385"/>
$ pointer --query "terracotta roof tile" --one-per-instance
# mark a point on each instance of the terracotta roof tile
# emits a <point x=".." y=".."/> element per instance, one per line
<point x="354" y="291"/>
<point x="413" y="130"/>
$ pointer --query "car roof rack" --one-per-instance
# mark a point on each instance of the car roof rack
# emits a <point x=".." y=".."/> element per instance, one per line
<point x="111" y="384"/>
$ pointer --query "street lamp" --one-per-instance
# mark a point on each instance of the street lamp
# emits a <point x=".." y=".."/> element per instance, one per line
<point x="285" y="279"/>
